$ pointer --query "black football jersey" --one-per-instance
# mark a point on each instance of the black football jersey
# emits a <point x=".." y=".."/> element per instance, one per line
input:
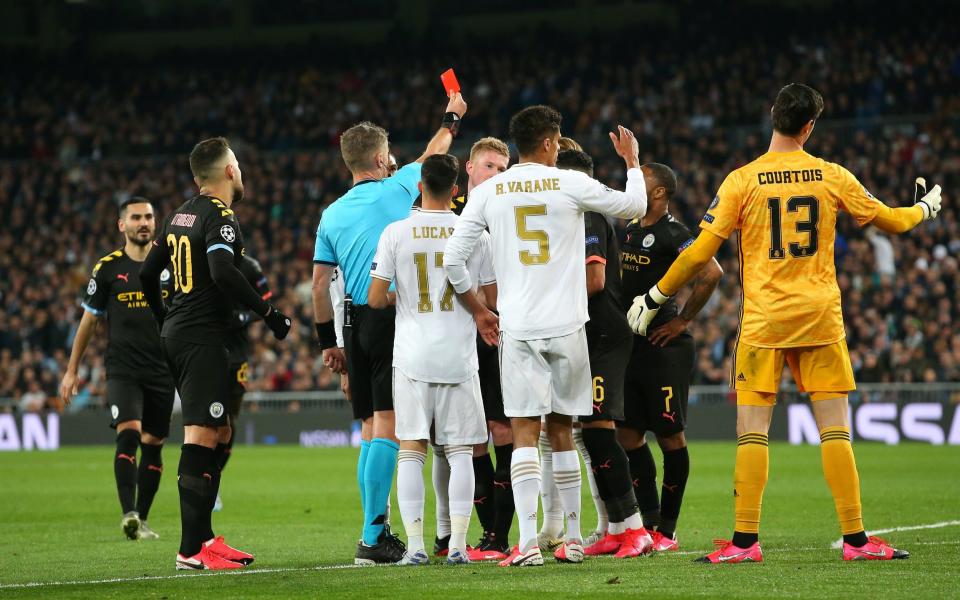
<point x="114" y="293"/>
<point x="199" y="312"/>
<point x="607" y="318"/>
<point x="238" y="342"/>
<point x="646" y="256"/>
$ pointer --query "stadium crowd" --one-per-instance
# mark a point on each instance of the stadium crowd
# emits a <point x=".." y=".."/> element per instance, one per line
<point x="73" y="146"/>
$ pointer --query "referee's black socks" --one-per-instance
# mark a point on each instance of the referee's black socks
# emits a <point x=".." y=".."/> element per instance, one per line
<point x="148" y="477"/>
<point x="195" y="482"/>
<point x="125" y="468"/>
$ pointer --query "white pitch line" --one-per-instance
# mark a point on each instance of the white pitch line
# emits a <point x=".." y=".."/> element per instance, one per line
<point x="188" y="575"/>
<point x="839" y="543"/>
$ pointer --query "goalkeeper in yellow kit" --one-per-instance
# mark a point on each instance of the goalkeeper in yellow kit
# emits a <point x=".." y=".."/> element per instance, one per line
<point x="785" y="205"/>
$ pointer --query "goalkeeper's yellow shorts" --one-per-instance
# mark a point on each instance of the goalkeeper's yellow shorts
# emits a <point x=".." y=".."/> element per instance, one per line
<point x="814" y="368"/>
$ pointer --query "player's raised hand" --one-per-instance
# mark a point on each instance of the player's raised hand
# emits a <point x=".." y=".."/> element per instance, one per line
<point x="488" y="326"/>
<point x="457" y="104"/>
<point x="626" y="146"/>
<point x="278" y="322"/>
<point x="928" y="201"/>
<point x="644" y="309"/>
<point x="69" y="387"/>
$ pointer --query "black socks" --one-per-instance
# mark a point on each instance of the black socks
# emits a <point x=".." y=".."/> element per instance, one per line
<point x="148" y="477"/>
<point x="125" y="468"/>
<point x="502" y="493"/>
<point x="483" y="500"/>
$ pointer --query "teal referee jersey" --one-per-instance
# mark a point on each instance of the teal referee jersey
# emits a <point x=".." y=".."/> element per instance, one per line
<point x="350" y="228"/>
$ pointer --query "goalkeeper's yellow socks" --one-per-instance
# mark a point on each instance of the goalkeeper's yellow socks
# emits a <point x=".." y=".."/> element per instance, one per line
<point x="749" y="479"/>
<point x="840" y="471"/>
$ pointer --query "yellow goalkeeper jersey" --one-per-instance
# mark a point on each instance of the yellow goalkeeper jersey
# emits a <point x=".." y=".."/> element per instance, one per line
<point x="785" y="206"/>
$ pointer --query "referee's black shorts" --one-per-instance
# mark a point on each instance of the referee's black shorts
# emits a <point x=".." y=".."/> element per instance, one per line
<point x="202" y="375"/>
<point x="658" y="385"/>
<point x="368" y="342"/>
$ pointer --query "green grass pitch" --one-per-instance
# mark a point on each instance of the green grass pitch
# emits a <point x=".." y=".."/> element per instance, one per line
<point x="297" y="510"/>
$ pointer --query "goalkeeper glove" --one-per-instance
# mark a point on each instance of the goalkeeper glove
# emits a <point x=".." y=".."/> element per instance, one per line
<point x="644" y="309"/>
<point x="929" y="201"/>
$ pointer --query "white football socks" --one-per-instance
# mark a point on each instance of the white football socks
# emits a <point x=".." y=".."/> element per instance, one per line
<point x="441" y="482"/>
<point x="460" y="492"/>
<point x="410" y="496"/>
<point x="566" y="472"/>
<point x="525" y="478"/>
<point x="598" y="503"/>
<point x="549" y="496"/>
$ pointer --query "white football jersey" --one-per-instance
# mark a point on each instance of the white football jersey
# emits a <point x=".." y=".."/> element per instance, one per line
<point x="436" y="337"/>
<point x="535" y="217"/>
<point x="337" y="293"/>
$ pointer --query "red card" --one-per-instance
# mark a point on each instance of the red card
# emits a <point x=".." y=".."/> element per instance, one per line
<point x="450" y="82"/>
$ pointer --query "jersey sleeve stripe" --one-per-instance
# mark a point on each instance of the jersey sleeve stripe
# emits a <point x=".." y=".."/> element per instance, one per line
<point x="381" y="277"/>
<point x="92" y="310"/>
<point x="219" y="247"/>
<point x="324" y="262"/>
<point x="596" y="259"/>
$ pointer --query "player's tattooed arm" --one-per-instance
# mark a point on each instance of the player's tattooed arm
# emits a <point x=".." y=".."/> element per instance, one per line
<point x="703" y="287"/>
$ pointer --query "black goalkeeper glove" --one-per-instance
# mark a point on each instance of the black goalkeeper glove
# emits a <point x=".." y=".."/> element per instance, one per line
<point x="278" y="322"/>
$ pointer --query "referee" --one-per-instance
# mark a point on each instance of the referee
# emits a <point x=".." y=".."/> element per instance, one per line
<point x="347" y="238"/>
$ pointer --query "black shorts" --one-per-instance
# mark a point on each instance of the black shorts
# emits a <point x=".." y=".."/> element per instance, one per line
<point x="658" y="385"/>
<point x="489" y="373"/>
<point x="202" y="375"/>
<point x="149" y="401"/>
<point x="238" y="387"/>
<point x="608" y="367"/>
<point x="368" y="342"/>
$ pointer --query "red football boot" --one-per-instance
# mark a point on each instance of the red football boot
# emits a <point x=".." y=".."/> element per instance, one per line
<point x="205" y="560"/>
<point x="634" y="542"/>
<point x="726" y="552"/>
<point x="874" y="549"/>
<point x="220" y="548"/>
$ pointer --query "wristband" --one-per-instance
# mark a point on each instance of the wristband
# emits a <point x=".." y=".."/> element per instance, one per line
<point x="327" y="334"/>
<point x="451" y="121"/>
<point x="657" y="296"/>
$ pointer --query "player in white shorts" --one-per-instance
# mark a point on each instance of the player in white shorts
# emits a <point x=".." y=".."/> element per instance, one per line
<point x="534" y="212"/>
<point x="435" y="379"/>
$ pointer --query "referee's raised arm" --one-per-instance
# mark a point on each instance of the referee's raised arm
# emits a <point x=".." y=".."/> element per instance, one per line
<point x="441" y="140"/>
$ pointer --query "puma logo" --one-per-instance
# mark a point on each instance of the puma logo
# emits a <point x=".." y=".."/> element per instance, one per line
<point x="597" y="408"/>
<point x="671" y="488"/>
<point x="480" y="500"/>
<point x="132" y="459"/>
<point x="501" y="484"/>
<point x="157" y="468"/>
<point x="671" y="416"/>
<point x="604" y="465"/>
<point x="124" y="276"/>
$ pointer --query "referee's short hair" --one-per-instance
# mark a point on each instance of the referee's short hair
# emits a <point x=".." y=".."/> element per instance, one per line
<point x="206" y="155"/>
<point x="575" y="160"/>
<point x="439" y="174"/>
<point x="360" y="143"/>
<point x="796" y="105"/>
<point x="530" y="126"/>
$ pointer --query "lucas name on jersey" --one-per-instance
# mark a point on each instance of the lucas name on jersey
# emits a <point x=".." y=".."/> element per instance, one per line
<point x="424" y="232"/>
